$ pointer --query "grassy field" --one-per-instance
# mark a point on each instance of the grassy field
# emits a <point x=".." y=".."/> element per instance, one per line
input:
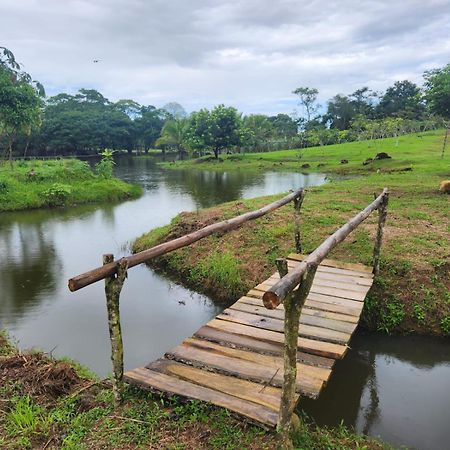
<point x="414" y="151"/>
<point x="46" y="403"/>
<point x="39" y="184"/>
<point x="412" y="292"/>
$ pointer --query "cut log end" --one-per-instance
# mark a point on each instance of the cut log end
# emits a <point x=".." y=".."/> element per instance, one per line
<point x="72" y="285"/>
<point x="270" y="300"/>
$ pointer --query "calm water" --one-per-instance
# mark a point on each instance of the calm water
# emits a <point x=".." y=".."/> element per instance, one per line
<point x="398" y="388"/>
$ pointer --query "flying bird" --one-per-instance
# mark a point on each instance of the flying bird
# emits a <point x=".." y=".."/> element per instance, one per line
<point x="96" y="60"/>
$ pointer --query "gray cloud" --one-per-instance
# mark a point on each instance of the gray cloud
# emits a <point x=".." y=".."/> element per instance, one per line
<point x="250" y="53"/>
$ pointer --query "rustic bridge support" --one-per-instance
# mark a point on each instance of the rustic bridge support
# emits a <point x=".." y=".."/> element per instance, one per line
<point x="113" y="287"/>
<point x="297" y="206"/>
<point x="293" y="305"/>
<point x="382" y="214"/>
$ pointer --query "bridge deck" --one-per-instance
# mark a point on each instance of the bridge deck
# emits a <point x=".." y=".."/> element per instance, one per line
<point x="236" y="360"/>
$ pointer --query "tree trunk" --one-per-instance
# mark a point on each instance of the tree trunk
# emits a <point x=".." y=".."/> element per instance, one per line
<point x="216" y="153"/>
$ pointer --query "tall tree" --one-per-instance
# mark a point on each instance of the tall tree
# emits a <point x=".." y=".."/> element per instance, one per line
<point x="261" y="129"/>
<point x="403" y="99"/>
<point x="20" y="100"/>
<point x="340" y="112"/>
<point x="307" y="97"/>
<point x="437" y="91"/>
<point x="224" y="125"/>
<point x="175" y="133"/>
<point x="284" y="126"/>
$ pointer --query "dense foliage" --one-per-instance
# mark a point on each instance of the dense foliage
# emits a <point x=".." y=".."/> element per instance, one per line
<point x="87" y="122"/>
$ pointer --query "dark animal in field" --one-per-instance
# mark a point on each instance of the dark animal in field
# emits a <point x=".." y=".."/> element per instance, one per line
<point x="445" y="186"/>
<point x="344" y="161"/>
<point x="382" y="155"/>
<point x="305" y="166"/>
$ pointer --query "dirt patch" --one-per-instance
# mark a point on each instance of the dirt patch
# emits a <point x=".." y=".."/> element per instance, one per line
<point x="39" y="377"/>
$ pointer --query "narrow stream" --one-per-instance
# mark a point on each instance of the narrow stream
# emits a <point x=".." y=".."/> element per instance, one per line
<point x="394" y="387"/>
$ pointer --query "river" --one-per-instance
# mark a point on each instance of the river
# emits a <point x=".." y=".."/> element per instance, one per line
<point x="397" y="388"/>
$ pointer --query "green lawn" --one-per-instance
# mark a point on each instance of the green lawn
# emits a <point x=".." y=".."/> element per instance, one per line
<point x="40" y="184"/>
<point x="421" y="152"/>
<point x="412" y="292"/>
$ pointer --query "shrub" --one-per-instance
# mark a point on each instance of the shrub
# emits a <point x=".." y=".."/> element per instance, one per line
<point x="104" y="168"/>
<point x="57" y="194"/>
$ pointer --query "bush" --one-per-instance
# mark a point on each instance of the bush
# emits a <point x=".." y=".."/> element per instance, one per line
<point x="57" y="194"/>
<point x="104" y="168"/>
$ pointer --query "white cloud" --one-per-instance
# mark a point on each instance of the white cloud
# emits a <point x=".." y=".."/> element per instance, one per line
<point x="249" y="53"/>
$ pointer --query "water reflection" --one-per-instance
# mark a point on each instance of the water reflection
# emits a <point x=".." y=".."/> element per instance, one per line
<point x="41" y="249"/>
<point x="397" y="387"/>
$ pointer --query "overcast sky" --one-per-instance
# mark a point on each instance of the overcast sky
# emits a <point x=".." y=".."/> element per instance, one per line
<point x="246" y="53"/>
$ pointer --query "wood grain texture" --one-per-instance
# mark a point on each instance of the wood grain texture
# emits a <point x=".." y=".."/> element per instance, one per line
<point x="236" y="360"/>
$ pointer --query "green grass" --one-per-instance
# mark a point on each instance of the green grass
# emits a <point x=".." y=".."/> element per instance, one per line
<point x="412" y="291"/>
<point x="86" y="417"/>
<point x="40" y="184"/>
<point x="413" y="151"/>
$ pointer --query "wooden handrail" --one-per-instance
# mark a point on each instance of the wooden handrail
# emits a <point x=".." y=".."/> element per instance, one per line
<point x="107" y="270"/>
<point x="278" y="292"/>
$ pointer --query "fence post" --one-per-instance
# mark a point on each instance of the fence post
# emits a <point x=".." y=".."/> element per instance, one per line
<point x="113" y="287"/>
<point x="382" y="214"/>
<point x="293" y="304"/>
<point x="297" y="205"/>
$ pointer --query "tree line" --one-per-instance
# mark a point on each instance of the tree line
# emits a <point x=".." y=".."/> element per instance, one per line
<point x="87" y="122"/>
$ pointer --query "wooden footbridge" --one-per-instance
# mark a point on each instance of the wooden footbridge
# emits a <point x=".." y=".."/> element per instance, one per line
<point x="273" y="345"/>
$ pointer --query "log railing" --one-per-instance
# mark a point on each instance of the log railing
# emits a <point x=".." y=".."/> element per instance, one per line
<point x="114" y="272"/>
<point x="302" y="278"/>
<point x="291" y="290"/>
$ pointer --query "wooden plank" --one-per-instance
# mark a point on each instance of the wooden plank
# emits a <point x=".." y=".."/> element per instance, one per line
<point x="323" y="274"/>
<point x="267" y="396"/>
<point x="257" y="345"/>
<point x="317" y="289"/>
<point x="337" y="283"/>
<point x="150" y="379"/>
<point x="223" y="361"/>
<point x="352" y="314"/>
<point x="335" y="270"/>
<point x="312" y="308"/>
<point x="307" y="319"/>
<point x="324" y="298"/>
<point x="326" y="349"/>
<point x="268" y="323"/>
<point x="336" y="303"/>
<point x="333" y="263"/>
<point x="264" y="360"/>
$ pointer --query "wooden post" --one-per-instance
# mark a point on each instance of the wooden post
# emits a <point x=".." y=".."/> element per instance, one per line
<point x="113" y="287"/>
<point x="293" y="304"/>
<point x="382" y="214"/>
<point x="297" y="205"/>
<point x="445" y="141"/>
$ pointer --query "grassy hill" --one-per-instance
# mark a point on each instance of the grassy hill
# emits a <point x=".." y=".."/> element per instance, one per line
<point x="412" y="292"/>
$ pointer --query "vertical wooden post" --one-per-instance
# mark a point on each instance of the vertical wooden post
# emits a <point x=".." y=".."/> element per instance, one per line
<point x="447" y="128"/>
<point x="297" y="205"/>
<point x="113" y="287"/>
<point x="293" y="304"/>
<point x="382" y="214"/>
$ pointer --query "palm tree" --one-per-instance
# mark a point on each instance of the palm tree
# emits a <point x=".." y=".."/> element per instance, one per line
<point x="174" y="132"/>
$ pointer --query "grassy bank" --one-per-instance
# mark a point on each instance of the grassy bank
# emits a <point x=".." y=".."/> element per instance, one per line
<point x="40" y="184"/>
<point x="46" y="403"/>
<point x="412" y="292"/>
<point x="416" y="151"/>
